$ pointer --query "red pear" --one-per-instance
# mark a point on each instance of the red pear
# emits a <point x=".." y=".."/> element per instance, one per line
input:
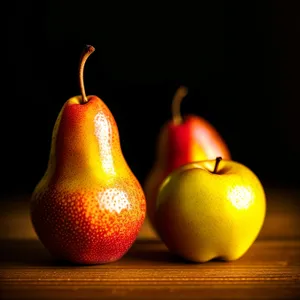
<point x="182" y="140"/>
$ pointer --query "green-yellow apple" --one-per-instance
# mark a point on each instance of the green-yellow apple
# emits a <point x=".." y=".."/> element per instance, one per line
<point x="210" y="209"/>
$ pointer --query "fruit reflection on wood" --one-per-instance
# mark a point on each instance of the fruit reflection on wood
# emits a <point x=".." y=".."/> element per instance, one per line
<point x="88" y="208"/>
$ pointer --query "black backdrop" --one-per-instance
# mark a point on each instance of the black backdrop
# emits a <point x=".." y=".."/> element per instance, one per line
<point x="240" y="62"/>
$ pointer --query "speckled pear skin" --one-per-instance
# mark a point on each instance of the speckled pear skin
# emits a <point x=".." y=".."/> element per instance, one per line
<point x="89" y="207"/>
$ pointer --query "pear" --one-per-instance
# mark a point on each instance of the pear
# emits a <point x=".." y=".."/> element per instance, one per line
<point x="183" y="139"/>
<point x="89" y="207"/>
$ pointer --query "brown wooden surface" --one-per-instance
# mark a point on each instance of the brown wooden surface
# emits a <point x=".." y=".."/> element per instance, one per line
<point x="269" y="270"/>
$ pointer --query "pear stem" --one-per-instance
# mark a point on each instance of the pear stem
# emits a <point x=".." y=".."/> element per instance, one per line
<point x="179" y="95"/>
<point x="218" y="159"/>
<point x="87" y="51"/>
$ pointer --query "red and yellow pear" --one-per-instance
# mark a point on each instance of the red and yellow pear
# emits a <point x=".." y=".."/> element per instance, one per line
<point x="88" y="207"/>
<point x="181" y="140"/>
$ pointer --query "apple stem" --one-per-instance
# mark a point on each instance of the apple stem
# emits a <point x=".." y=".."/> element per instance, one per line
<point x="179" y="95"/>
<point x="218" y="159"/>
<point x="87" y="51"/>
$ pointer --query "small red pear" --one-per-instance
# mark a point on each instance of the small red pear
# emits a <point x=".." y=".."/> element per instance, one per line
<point x="182" y="140"/>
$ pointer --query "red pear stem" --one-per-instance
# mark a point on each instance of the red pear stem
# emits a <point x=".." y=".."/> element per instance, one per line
<point x="179" y="95"/>
<point x="87" y="51"/>
<point x="218" y="159"/>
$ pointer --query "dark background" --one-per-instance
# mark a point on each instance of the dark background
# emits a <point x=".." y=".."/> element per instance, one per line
<point x="240" y="62"/>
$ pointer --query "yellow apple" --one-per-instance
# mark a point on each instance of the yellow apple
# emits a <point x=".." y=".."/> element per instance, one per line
<point x="212" y="209"/>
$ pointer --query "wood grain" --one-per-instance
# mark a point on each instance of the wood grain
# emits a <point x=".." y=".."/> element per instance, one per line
<point x="269" y="270"/>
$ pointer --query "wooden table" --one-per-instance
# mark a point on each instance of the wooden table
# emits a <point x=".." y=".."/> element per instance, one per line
<point x="269" y="270"/>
